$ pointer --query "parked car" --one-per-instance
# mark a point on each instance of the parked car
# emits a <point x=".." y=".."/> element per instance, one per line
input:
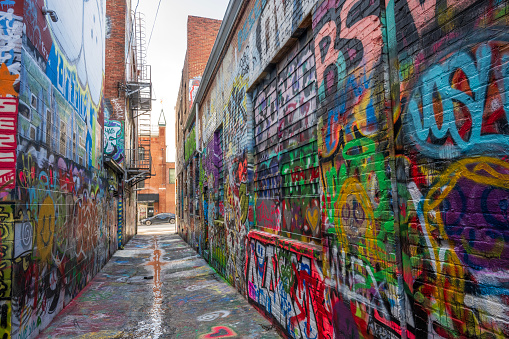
<point x="160" y="218"/>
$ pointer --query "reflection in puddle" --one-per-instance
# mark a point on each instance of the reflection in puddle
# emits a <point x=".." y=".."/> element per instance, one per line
<point x="154" y="325"/>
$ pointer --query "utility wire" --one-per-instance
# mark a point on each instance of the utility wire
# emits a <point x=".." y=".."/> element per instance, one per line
<point x="153" y="25"/>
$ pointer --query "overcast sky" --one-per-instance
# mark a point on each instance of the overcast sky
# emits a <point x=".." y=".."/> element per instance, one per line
<point x="167" y="50"/>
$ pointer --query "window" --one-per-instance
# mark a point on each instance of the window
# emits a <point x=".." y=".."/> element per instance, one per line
<point x="141" y="184"/>
<point x="141" y="153"/>
<point x="171" y="175"/>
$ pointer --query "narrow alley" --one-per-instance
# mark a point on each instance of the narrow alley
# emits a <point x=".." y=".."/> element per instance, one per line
<point x="310" y="169"/>
<point x="158" y="287"/>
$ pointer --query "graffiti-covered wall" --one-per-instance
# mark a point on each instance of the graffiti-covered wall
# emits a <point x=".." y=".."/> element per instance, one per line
<point x="451" y="165"/>
<point x="58" y="218"/>
<point x="352" y="167"/>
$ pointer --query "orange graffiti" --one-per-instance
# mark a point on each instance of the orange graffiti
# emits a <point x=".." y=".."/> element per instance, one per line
<point x="7" y="81"/>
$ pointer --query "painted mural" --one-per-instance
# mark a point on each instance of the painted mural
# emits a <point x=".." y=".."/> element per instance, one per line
<point x="114" y="140"/>
<point x="8" y="144"/>
<point x="451" y="130"/>
<point x="56" y="233"/>
<point x="354" y="173"/>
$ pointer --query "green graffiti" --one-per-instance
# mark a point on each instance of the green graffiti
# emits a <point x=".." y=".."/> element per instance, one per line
<point x="285" y="268"/>
<point x="190" y="145"/>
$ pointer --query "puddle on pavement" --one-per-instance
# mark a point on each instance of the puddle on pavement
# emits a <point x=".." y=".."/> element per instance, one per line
<point x="154" y="323"/>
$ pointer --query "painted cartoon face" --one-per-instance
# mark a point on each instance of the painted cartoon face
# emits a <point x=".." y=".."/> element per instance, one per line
<point x="353" y="218"/>
<point x="79" y="34"/>
<point x="356" y="226"/>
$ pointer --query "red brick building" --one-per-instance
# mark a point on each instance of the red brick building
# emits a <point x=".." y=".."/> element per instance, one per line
<point x="157" y="194"/>
<point x="121" y="68"/>
<point x="201" y="36"/>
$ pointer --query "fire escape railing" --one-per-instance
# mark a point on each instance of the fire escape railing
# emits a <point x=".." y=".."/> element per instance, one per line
<point x="139" y="91"/>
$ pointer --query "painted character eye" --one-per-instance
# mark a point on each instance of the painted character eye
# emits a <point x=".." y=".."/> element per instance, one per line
<point x="345" y="212"/>
<point x="358" y="213"/>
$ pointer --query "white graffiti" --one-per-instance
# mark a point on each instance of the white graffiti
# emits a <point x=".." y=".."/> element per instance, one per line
<point x="199" y="287"/>
<point x="117" y="108"/>
<point x="213" y="315"/>
<point x="10" y="41"/>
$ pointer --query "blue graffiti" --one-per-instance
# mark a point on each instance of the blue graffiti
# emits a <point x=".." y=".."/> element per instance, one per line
<point x="435" y="86"/>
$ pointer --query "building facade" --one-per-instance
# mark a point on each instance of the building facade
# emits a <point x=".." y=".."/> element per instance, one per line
<point x="64" y="208"/>
<point x="157" y="194"/>
<point x="120" y="124"/>
<point x="201" y="34"/>
<point x="344" y="165"/>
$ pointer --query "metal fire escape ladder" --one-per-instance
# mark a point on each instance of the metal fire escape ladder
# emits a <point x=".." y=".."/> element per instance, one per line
<point x="139" y="91"/>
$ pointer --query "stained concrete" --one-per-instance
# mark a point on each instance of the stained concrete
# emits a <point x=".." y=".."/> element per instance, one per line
<point x="158" y="287"/>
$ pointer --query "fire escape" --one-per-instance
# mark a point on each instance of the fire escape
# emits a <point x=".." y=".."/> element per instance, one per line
<point x="139" y="90"/>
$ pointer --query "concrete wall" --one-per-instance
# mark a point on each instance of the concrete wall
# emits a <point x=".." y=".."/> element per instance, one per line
<point x="353" y="180"/>
<point x="58" y="220"/>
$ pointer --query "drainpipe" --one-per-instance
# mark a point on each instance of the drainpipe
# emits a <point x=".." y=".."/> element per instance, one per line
<point x="198" y="146"/>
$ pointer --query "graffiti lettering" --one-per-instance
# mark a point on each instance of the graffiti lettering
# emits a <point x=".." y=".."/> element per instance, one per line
<point x="8" y="129"/>
<point x="450" y="112"/>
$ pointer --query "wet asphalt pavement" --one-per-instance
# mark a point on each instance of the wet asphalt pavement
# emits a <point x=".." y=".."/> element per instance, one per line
<point x="158" y="287"/>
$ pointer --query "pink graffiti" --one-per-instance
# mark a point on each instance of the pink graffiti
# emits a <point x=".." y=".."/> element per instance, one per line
<point x="8" y="127"/>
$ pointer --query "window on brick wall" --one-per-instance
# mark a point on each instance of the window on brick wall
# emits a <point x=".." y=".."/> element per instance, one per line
<point x="171" y="175"/>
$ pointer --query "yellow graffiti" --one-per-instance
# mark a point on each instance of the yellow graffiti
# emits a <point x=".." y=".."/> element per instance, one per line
<point x="5" y="313"/>
<point x="449" y="291"/>
<point x="313" y="217"/>
<point x="356" y="219"/>
<point x="359" y="113"/>
<point x="481" y="173"/>
<point x="45" y="229"/>
<point x="6" y="241"/>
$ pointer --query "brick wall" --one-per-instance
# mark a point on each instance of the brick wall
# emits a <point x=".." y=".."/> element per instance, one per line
<point x="156" y="184"/>
<point x="58" y="217"/>
<point x="201" y="35"/>
<point x="159" y="182"/>
<point x="354" y="175"/>
<point x="115" y="54"/>
<point x="119" y="66"/>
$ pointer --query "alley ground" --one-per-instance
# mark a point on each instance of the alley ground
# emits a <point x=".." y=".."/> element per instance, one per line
<point x="158" y="287"/>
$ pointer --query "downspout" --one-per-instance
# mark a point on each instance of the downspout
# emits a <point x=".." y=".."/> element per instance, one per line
<point x="198" y="130"/>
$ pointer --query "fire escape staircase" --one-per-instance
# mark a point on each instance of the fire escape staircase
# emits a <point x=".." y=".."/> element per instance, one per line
<point x="139" y="91"/>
